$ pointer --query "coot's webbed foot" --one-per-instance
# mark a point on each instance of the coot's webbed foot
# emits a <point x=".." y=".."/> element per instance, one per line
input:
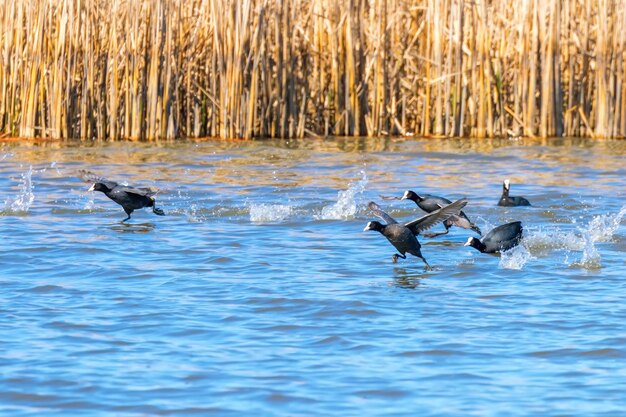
<point x="394" y="257"/>
<point x="427" y="267"/>
<point x="476" y="229"/>
<point x="158" y="211"/>
<point x="128" y="218"/>
<point x="436" y="234"/>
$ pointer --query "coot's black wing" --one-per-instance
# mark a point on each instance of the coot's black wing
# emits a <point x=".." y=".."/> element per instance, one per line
<point x="431" y="219"/>
<point x="144" y="192"/>
<point x="504" y="232"/>
<point x="90" y="177"/>
<point x="378" y="212"/>
<point x="129" y="199"/>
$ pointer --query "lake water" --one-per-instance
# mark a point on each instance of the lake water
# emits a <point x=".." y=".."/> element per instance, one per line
<point x="259" y="294"/>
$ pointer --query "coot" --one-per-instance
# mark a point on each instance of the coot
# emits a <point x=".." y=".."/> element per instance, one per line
<point x="129" y="198"/>
<point x="500" y="239"/>
<point x="430" y="203"/>
<point x="507" y="201"/>
<point x="403" y="236"/>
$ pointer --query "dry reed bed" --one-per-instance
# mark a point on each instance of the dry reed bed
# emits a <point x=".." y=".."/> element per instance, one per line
<point x="292" y="68"/>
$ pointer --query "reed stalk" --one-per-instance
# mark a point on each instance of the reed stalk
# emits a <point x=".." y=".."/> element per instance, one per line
<point x="150" y="69"/>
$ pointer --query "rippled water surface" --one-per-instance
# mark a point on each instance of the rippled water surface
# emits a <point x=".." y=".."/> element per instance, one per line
<point x="259" y="294"/>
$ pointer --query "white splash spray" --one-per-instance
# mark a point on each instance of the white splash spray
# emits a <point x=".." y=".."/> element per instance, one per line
<point x="89" y="204"/>
<point x="601" y="228"/>
<point x="540" y="240"/>
<point x="24" y="199"/>
<point x="590" y="258"/>
<point x="515" y="258"/>
<point x="346" y="205"/>
<point x="266" y="213"/>
<point x="53" y="165"/>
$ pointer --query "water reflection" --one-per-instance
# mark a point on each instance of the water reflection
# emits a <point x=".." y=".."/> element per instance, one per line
<point x="408" y="278"/>
<point x="128" y="227"/>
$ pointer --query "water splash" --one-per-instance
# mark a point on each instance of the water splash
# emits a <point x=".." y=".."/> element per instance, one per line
<point x="515" y="258"/>
<point x="22" y="202"/>
<point x="197" y="213"/>
<point x="5" y="156"/>
<point x="541" y="239"/>
<point x="90" y="204"/>
<point x="264" y="213"/>
<point x="600" y="229"/>
<point x="590" y="258"/>
<point x="346" y="205"/>
<point x="193" y="213"/>
<point x="53" y="165"/>
<point x="603" y="227"/>
<point x="181" y="203"/>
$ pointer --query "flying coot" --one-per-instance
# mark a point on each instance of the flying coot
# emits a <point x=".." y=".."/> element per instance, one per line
<point x="129" y="198"/>
<point x="430" y="203"/>
<point x="403" y="236"/>
<point x="500" y="239"/>
<point x="507" y="201"/>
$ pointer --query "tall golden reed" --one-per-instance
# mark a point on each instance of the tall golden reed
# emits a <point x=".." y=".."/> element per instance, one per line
<point x="146" y="69"/>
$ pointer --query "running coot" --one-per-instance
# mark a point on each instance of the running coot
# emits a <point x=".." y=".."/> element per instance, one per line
<point x="500" y="239"/>
<point x="430" y="203"/>
<point x="403" y="236"/>
<point x="129" y="198"/>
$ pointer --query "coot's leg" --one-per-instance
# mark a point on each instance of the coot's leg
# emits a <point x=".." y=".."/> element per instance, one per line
<point x="127" y="212"/>
<point x="394" y="257"/>
<point x="428" y="267"/>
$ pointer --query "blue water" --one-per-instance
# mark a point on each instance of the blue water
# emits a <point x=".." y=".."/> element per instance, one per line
<point x="259" y="294"/>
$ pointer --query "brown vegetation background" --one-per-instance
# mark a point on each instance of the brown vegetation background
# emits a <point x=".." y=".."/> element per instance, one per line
<point x="148" y="69"/>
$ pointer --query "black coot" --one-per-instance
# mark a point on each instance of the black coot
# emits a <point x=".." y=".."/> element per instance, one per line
<point x="129" y="198"/>
<point x="430" y="203"/>
<point x="403" y="236"/>
<point x="500" y="239"/>
<point x="507" y="201"/>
